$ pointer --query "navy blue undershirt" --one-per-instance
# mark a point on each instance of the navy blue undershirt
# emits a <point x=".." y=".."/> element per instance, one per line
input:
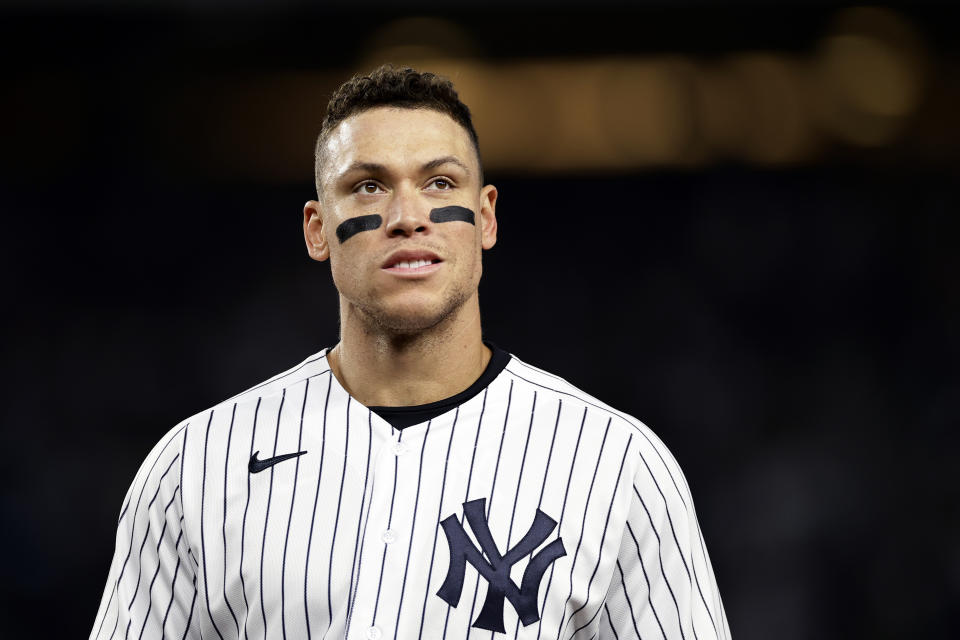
<point x="402" y="417"/>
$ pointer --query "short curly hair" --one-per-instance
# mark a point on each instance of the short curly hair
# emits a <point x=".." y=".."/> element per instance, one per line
<point x="389" y="86"/>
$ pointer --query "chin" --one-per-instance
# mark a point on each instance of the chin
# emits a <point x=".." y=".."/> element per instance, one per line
<point x="414" y="317"/>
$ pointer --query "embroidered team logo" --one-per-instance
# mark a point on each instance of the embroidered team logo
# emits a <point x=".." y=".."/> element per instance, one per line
<point x="495" y="568"/>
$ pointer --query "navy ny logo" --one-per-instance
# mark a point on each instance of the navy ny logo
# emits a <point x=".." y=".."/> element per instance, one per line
<point x="495" y="568"/>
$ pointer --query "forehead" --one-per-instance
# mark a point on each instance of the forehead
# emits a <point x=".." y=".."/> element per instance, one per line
<point x="397" y="137"/>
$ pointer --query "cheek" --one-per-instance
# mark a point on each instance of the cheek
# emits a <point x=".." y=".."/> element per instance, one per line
<point x="343" y="269"/>
<point x="475" y="253"/>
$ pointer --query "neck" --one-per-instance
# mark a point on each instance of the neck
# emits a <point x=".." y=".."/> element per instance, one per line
<point x="385" y="369"/>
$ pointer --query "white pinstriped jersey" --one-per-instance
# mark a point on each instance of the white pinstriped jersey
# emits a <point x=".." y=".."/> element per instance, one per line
<point x="357" y="537"/>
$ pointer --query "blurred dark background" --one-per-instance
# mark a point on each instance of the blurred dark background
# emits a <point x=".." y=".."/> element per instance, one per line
<point x="738" y="223"/>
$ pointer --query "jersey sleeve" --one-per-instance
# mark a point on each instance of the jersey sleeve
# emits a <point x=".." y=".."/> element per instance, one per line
<point x="151" y="588"/>
<point x="663" y="584"/>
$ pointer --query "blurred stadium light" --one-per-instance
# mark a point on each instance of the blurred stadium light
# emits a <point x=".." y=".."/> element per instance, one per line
<point x="860" y="87"/>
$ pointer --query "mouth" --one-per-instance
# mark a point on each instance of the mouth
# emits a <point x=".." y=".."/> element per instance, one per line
<point x="412" y="262"/>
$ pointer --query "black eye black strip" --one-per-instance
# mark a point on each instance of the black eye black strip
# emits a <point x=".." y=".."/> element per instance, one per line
<point x="452" y="214"/>
<point x="353" y="226"/>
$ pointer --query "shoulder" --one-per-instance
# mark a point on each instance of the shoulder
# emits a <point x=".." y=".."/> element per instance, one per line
<point x="552" y="385"/>
<point x="213" y="423"/>
<point x="311" y="367"/>
<point x="648" y="455"/>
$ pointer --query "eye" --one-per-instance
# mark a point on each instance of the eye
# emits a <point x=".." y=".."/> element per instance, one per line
<point x="441" y="184"/>
<point x="367" y="188"/>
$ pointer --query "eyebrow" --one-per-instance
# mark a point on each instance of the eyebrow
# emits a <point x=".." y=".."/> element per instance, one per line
<point x="433" y="164"/>
<point x="377" y="168"/>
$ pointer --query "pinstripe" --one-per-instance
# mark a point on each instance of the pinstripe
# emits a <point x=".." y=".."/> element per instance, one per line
<point x="586" y="624"/>
<point x="383" y="561"/>
<point x="281" y="376"/>
<point x="688" y="509"/>
<point x="436" y="530"/>
<point x="266" y="516"/>
<point x="203" y="544"/>
<point x="563" y="511"/>
<point x="523" y="461"/>
<point x="357" y="544"/>
<point x="583" y="526"/>
<point x="493" y="488"/>
<point x="133" y="527"/>
<point x="663" y="571"/>
<point x="546" y="470"/>
<point x="610" y="622"/>
<point x="703" y="553"/>
<point x="646" y="579"/>
<point x="543" y="487"/>
<point x="183" y="456"/>
<point x="656" y="450"/>
<point x="626" y="594"/>
<point x="146" y="616"/>
<point x="243" y="527"/>
<point x="588" y="400"/>
<point x="473" y="457"/>
<point x="173" y="585"/>
<point x="690" y="579"/>
<point x="603" y="537"/>
<point x="363" y="541"/>
<point x="293" y="500"/>
<point x="666" y="467"/>
<point x="336" y="522"/>
<point x="581" y="398"/>
<point x="496" y="468"/>
<point x="136" y="589"/>
<point x="696" y="579"/>
<point x="226" y="462"/>
<point x="316" y="499"/>
<point x="193" y="603"/>
<point x="413" y="526"/>
<point x="124" y="511"/>
<point x="117" y="621"/>
<point x="703" y="550"/>
<point x="146" y="534"/>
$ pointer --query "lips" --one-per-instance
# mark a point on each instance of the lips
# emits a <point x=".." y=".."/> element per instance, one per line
<point x="408" y="260"/>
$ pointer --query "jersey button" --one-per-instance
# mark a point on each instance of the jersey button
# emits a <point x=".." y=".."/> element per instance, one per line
<point x="399" y="448"/>
<point x="373" y="633"/>
<point x="389" y="536"/>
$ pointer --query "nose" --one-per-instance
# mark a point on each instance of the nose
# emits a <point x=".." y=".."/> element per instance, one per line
<point x="406" y="215"/>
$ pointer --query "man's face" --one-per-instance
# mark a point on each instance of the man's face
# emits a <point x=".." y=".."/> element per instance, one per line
<point x="398" y="186"/>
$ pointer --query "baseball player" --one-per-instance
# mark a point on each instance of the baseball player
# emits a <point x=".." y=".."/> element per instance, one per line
<point x="413" y="481"/>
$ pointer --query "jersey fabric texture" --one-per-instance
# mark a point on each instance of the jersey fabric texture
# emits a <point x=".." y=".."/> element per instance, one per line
<point x="530" y="510"/>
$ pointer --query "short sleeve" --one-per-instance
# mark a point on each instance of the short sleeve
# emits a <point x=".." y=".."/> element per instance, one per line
<point x="151" y="588"/>
<point x="663" y="584"/>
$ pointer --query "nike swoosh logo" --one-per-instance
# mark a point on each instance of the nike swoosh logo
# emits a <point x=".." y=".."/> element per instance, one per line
<point x="256" y="466"/>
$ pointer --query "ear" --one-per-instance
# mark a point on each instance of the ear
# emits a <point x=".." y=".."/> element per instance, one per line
<point x="488" y="216"/>
<point x="317" y="246"/>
